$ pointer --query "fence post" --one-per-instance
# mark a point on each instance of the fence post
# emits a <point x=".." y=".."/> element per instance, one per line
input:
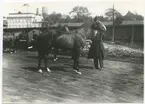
<point x="132" y="35"/>
<point x="113" y="28"/>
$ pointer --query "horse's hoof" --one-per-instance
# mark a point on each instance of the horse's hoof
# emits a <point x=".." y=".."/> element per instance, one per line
<point x="78" y="72"/>
<point x="48" y="70"/>
<point x="30" y="47"/>
<point x="95" y="68"/>
<point x="101" y="69"/>
<point x="40" y="71"/>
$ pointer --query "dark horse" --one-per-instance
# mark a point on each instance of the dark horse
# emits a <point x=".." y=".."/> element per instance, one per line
<point x="73" y="41"/>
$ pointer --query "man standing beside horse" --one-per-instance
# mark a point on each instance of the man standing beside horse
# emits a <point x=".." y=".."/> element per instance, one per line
<point x="96" y="51"/>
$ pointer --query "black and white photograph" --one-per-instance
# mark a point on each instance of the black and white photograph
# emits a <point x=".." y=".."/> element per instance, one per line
<point x="73" y="52"/>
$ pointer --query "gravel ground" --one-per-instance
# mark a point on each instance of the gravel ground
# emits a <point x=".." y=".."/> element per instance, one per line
<point x="121" y="53"/>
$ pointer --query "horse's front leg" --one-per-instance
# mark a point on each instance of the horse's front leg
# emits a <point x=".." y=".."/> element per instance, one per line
<point x="45" y="61"/>
<point x="56" y="50"/>
<point x="39" y="63"/>
<point x="76" y="56"/>
<point x="43" y="55"/>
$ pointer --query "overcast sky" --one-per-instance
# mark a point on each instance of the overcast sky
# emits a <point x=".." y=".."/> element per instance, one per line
<point x="96" y="7"/>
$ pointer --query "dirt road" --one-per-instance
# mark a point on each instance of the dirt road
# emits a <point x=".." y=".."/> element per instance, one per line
<point x="119" y="82"/>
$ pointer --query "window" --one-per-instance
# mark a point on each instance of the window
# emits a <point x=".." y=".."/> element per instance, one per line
<point x="13" y="21"/>
<point x="34" y="20"/>
<point x="22" y="20"/>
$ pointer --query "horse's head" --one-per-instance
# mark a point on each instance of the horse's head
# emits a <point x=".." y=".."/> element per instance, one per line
<point x="97" y="28"/>
<point x="66" y="28"/>
<point x="62" y="29"/>
<point x="97" y="25"/>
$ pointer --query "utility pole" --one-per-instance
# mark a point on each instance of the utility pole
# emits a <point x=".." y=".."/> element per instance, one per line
<point x="113" y="28"/>
<point x="132" y="35"/>
<point x="27" y="5"/>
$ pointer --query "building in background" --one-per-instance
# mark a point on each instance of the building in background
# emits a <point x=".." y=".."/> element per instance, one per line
<point x="24" y="20"/>
<point x="44" y="10"/>
<point x="5" y="24"/>
<point x="128" y="31"/>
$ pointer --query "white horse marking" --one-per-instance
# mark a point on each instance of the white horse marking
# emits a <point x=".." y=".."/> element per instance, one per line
<point x="40" y="71"/>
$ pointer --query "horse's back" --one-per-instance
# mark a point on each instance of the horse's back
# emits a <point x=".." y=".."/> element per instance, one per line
<point x="71" y="40"/>
<point x="65" y="41"/>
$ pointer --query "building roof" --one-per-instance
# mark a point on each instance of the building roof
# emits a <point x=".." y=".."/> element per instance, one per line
<point x="68" y="24"/>
<point x="108" y="23"/>
<point x="19" y="14"/>
<point x="134" y="22"/>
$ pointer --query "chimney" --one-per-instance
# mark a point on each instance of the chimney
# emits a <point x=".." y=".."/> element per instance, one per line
<point x="37" y="11"/>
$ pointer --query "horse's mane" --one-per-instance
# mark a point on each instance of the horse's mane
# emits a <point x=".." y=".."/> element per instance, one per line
<point x="80" y="32"/>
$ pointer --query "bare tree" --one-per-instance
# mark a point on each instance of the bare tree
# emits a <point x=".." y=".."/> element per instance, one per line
<point x="80" y="13"/>
<point x="109" y="12"/>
